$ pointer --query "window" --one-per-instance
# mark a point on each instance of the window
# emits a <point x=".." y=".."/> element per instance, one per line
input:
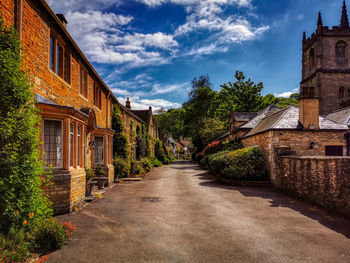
<point x="312" y="58"/>
<point x="340" y="49"/>
<point x="334" y="150"/>
<point x="53" y="144"/>
<point x="79" y="145"/>
<point x="52" y="53"/>
<point x="84" y="149"/>
<point x="71" y="145"/>
<point x="60" y="59"/>
<point x="99" y="149"/>
<point x="83" y="82"/>
<point x="97" y="97"/>
<point x="341" y="93"/>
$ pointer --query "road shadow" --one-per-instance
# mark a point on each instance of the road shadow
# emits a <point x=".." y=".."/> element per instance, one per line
<point x="330" y="220"/>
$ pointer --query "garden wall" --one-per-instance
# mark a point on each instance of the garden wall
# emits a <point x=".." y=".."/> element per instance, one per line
<point x="320" y="179"/>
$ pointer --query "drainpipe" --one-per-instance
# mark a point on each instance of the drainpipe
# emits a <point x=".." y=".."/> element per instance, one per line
<point x="109" y="95"/>
<point x="18" y="18"/>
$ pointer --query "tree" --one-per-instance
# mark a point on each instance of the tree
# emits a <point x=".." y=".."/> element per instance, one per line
<point x="172" y="122"/>
<point x="279" y="101"/>
<point x="20" y="165"/>
<point x="242" y="96"/>
<point x="211" y="129"/>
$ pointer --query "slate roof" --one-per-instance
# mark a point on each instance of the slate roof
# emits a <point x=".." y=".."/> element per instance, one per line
<point x="243" y="116"/>
<point x="341" y="116"/>
<point x="288" y="119"/>
<point x="142" y="114"/>
<point x="260" y="115"/>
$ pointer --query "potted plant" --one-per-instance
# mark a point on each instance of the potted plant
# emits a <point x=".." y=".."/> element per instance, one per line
<point x="89" y="184"/>
<point x="99" y="175"/>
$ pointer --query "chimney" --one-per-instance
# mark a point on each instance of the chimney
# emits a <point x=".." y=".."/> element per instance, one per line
<point x="309" y="109"/>
<point x="150" y="109"/>
<point x="63" y="20"/>
<point x="127" y="104"/>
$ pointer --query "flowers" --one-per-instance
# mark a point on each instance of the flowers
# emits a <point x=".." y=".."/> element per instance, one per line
<point x="31" y="215"/>
<point x="24" y="222"/>
<point x="69" y="229"/>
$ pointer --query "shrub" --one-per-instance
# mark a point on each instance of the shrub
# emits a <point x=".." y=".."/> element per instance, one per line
<point x="48" y="235"/>
<point x="232" y="145"/>
<point x="99" y="170"/>
<point x="138" y="168"/>
<point x="156" y="162"/>
<point x="245" y="164"/>
<point x="146" y="164"/>
<point x="14" y="246"/>
<point x="242" y="164"/>
<point x="211" y="148"/>
<point x="120" y="139"/>
<point x="20" y="165"/>
<point x="121" y="168"/>
<point x="159" y="151"/>
<point x="141" y="148"/>
<point x="167" y="161"/>
<point x="89" y="174"/>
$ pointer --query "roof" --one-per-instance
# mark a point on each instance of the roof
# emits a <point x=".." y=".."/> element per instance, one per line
<point x="288" y="119"/>
<point x="243" y="116"/>
<point x="260" y="115"/>
<point x="223" y="136"/>
<point x="142" y="114"/>
<point x="341" y="116"/>
<point x="72" y="42"/>
<point x="42" y="100"/>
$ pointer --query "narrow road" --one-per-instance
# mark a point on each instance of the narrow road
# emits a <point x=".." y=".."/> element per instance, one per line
<point x="178" y="214"/>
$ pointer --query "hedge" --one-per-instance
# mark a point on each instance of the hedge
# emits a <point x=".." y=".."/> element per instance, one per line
<point x="245" y="164"/>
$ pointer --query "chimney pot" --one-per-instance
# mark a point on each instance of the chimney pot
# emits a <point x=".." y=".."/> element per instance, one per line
<point x="127" y="104"/>
<point x="63" y="19"/>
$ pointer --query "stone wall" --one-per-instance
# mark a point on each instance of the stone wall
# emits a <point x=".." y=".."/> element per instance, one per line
<point x="297" y="141"/>
<point x="319" y="179"/>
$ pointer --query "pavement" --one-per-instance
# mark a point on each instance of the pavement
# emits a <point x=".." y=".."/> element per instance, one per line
<point x="178" y="213"/>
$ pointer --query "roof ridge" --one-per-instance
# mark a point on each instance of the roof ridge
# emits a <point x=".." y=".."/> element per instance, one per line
<point x="345" y="108"/>
<point x="280" y="117"/>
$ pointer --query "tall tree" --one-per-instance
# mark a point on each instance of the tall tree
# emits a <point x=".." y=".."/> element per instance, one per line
<point x="242" y="95"/>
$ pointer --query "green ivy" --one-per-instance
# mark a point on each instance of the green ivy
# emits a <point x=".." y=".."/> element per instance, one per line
<point x="20" y="164"/>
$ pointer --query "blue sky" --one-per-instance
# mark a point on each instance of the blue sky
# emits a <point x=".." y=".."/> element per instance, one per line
<point x="150" y="50"/>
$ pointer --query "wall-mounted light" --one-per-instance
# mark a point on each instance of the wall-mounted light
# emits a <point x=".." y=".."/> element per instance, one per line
<point x="312" y="145"/>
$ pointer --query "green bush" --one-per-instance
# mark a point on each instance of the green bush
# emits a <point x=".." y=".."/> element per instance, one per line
<point x="159" y="151"/>
<point x="242" y="164"/>
<point x="121" y="167"/>
<point x="14" y="246"/>
<point x="156" y="162"/>
<point x="141" y="148"/>
<point x="232" y="145"/>
<point x="20" y="165"/>
<point x="167" y="161"/>
<point x="99" y="170"/>
<point x="120" y="139"/>
<point x="138" y="168"/>
<point x="49" y="235"/>
<point x="146" y="164"/>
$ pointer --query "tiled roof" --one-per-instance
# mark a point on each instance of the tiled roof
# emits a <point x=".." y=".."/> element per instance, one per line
<point x="261" y="115"/>
<point x="288" y="119"/>
<point x="142" y="114"/>
<point x="341" y="116"/>
<point x="243" y="116"/>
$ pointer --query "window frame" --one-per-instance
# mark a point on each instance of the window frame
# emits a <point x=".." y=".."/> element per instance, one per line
<point x="60" y="58"/>
<point x="96" y="152"/>
<point x="62" y="143"/>
<point x="97" y="96"/>
<point x="83" y="82"/>
<point x="71" y="145"/>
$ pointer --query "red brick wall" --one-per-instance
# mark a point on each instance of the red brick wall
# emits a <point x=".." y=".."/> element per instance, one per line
<point x="7" y="9"/>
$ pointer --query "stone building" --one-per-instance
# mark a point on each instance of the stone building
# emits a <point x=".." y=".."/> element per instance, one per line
<point x="147" y="118"/>
<point x="319" y="126"/>
<point x="326" y="64"/>
<point x="75" y="104"/>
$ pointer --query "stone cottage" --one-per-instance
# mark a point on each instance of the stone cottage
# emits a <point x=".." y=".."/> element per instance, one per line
<point x="75" y="104"/>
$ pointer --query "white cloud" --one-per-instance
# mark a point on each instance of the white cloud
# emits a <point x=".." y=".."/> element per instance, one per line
<point x="62" y="6"/>
<point x="103" y="39"/>
<point x="165" y="89"/>
<point x="286" y="94"/>
<point x="156" y="104"/>
<point x="154" y="3"/>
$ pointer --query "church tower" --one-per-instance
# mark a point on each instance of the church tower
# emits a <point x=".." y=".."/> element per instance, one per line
<point x="326" y="65"/>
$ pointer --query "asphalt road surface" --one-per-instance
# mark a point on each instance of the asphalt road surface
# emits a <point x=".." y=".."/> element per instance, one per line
<point x="179" y="214"/>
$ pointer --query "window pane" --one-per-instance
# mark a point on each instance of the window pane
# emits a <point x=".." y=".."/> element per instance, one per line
<point x="52" y="59"/>
<point x="52" y="143"/>
<point x="79" y="146"/>
<point x="99" y="150"/>
<point x="71" y="145"/>
<point x="66" y="67"/>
